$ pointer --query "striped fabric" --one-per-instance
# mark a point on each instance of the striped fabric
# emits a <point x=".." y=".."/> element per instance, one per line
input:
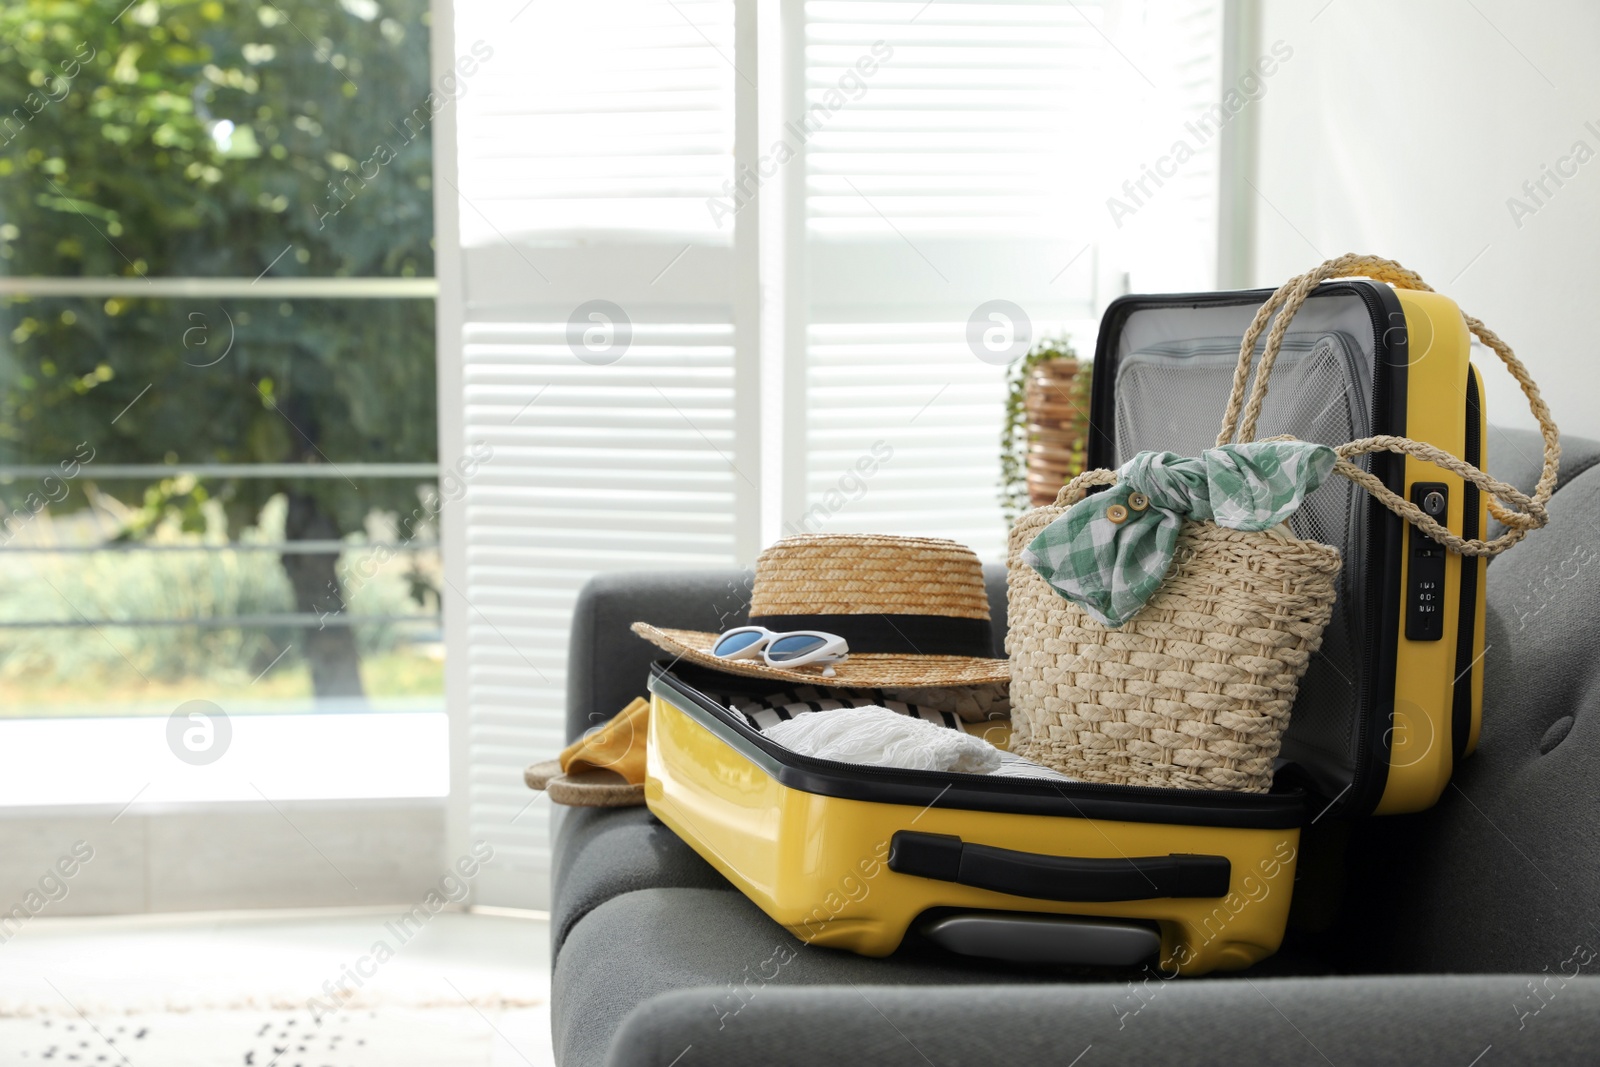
<point x="763" y="713"/>
<point x="1015" y="766"/>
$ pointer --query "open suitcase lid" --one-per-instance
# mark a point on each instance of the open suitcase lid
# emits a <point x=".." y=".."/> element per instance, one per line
<point x="1163" y="370"/>
<point x="703" y="695"/>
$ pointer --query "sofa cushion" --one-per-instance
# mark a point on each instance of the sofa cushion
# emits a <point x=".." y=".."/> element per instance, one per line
<point x="602" y="853"/>
<point x="643" y="944"/>
<point x="653" y="941"/>
<point x="1376" y="1022"/>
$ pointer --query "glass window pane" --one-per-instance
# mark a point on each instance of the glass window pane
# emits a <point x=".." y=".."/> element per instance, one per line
<point x="219" y="381"/>
<point x="231" y="501"/>
<point x="208" y="140"/>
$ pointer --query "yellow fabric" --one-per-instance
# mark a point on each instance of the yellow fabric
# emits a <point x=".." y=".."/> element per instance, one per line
<point x="617" y="746"/>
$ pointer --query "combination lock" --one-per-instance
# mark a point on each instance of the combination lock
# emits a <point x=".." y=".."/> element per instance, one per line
<point x="1425" y="570"/>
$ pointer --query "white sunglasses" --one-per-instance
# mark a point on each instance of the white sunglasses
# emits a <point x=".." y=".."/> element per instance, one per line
<point x="794" y="648"/>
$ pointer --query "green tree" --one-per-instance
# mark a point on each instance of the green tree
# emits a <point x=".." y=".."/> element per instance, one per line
<point x="193" y="138"/>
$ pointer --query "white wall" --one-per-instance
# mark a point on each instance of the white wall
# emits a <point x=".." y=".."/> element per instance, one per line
<point x="1403" y="130"/>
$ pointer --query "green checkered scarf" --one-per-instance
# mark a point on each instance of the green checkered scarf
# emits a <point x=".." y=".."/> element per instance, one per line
<point x="1112" y="569"/>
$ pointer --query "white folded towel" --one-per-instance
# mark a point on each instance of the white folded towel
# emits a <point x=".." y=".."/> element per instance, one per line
<point x="883" y="738"/>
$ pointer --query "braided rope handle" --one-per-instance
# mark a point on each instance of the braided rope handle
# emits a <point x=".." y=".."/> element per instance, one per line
<point x="1514" y="509"/>
<point x="1074" y="490"/>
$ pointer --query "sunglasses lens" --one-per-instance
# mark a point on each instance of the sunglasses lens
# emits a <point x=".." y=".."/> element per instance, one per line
<point x="732" y="643"/>
<point x="794" y="646"/>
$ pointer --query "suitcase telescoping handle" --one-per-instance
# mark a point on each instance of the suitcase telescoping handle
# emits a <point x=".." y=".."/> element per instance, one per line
<point x="1026" y="874"/>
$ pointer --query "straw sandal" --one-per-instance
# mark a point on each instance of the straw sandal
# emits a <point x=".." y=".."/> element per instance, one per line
<point x="595" y="788"/>
<point x="604" y="769"/>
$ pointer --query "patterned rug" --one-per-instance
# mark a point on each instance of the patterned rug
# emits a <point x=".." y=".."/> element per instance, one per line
<point x="460" y="1036"/>
<point x="275" y="990"/>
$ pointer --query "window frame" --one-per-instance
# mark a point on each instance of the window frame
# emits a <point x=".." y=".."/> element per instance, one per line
<point x="141" y="842"/>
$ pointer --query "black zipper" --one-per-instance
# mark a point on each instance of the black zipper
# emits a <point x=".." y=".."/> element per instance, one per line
<point x="1258" y="809"/>
<point x="1467" y="624"/>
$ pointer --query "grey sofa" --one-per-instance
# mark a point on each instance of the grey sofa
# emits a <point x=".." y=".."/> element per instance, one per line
<point x="1464" y="935"/>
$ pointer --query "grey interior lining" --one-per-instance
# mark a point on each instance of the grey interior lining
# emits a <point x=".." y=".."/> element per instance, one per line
<point x="1174" y="372"/>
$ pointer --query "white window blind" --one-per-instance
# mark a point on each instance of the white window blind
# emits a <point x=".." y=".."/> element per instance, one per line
<point x="588" y="146"/>
<point x="597" y="120"/>
<point x="972" y="164"/>
<point x="937" y="157"/>
<point x="1174" y="111"/>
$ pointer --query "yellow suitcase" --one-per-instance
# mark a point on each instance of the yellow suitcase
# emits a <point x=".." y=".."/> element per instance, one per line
<point x="1193" y="881"/>
<point x="851" y="857"/>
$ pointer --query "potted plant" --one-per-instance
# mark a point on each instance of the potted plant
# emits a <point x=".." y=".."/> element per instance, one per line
<point x="1046" y="426"/>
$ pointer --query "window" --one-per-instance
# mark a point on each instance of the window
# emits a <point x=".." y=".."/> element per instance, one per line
<point x="218" y="435"/>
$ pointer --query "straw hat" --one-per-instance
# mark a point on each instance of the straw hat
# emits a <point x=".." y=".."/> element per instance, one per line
<point x="913" y="610"/>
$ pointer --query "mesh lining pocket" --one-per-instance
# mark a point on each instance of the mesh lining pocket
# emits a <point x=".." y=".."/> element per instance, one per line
<point x="1170" y="397"/>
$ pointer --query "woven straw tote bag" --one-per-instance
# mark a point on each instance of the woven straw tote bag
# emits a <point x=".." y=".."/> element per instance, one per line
<point x="1195" y="690"/>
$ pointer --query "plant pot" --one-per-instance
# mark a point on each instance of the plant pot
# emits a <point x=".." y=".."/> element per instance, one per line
<point x="1057" y="412"/>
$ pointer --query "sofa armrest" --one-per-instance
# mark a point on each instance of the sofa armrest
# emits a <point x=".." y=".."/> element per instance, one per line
<point x="1415" y="1020"/>
<point x="607" y="664"/>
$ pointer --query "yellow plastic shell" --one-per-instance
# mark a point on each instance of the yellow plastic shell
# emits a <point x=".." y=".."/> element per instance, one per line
<point x="816" y="864"/>
<point x="1421" y="735"/>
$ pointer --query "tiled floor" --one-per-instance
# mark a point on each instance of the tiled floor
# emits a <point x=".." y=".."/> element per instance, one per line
<point x="341" y="988"/>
